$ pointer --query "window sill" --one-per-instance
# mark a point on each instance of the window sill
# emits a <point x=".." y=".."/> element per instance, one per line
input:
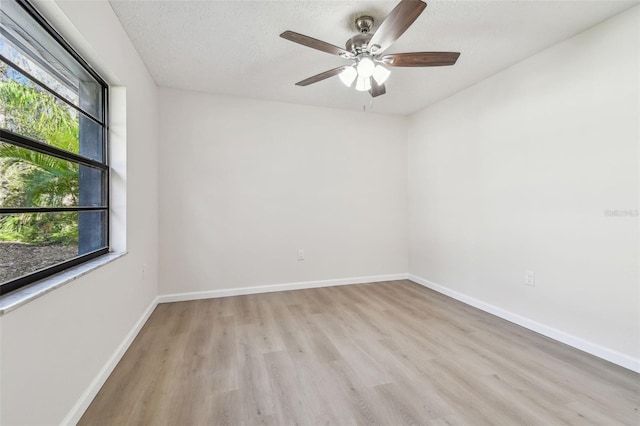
<point x="24" y="295"/>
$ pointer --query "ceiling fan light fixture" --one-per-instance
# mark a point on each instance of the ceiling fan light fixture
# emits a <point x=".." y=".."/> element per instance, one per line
<point x="369" y="67"/>
<point x="363" y="83"/>
<point x="365" y="67"/>
<point x="348" y="76"/>
<point x="380" y="74"/>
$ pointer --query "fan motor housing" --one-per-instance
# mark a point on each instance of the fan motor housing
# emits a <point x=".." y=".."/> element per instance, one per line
<point x="358" y="43"/>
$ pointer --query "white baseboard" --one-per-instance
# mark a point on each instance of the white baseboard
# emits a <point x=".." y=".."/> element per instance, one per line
<point x="76" y="412"/>
<point x="610" y="355"/>
<point x="181" y="297"/>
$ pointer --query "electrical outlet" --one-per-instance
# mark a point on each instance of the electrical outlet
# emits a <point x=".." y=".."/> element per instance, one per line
<point x="529" y="278"/>
<point x="300" y="254"/>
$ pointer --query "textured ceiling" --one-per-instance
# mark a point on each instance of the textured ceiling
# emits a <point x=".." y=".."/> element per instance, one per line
<point x="234" y="48"/>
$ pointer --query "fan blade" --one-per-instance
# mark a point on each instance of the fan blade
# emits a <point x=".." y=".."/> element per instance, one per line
<point x="315" y="44"/>
<point x="421" y="59"/>
<point x="376" y="89"/>
<point x="322" y="76"/>
<point x="395" y="24"/>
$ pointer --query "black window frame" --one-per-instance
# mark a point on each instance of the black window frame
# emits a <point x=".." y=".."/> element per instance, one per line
<point x="25" y="142"/>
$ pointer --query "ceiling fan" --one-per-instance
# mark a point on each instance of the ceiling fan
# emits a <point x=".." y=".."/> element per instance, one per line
<point x="367" y="50"/>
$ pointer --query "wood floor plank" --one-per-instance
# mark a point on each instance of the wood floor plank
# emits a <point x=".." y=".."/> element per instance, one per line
<point x="364" y="408"/>
<point x="290" y="393"/>
<point x="386" y="353"/>
<point x="258" y="403"/>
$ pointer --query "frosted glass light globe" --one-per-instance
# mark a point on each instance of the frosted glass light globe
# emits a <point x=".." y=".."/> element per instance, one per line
<point x="363" y="83"/>
<point x="365" y="67"/>
<point x="380" y="74"/>
<point x="348" y="76"/>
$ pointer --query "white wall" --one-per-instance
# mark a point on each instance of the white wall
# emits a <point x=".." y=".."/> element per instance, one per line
<point x="55" y="346"/>
<point x="244" y="184"/>
<point x="516" y="173"/>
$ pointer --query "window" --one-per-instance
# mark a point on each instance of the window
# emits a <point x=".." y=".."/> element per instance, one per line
<point x="54" y="176"/>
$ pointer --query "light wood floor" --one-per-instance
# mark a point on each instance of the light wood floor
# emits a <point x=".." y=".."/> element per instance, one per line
<point x="388" y="353"/>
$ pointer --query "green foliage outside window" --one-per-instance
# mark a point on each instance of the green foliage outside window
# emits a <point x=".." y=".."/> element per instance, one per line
<point x="29" y="178"/>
